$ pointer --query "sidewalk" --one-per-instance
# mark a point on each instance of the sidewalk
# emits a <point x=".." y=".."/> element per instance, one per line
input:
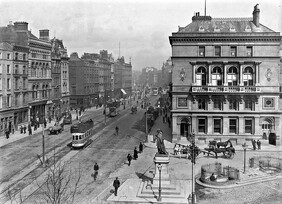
<point x="17" y="135"/>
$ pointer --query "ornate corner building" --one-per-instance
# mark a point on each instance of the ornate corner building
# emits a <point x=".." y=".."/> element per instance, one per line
<point x="226" y="80"/>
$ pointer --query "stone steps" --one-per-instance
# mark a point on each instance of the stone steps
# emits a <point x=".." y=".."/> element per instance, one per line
<point x="148" y="190"/>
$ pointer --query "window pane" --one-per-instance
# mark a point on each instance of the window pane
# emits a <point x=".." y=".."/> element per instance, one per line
<point x="248" y="126"/>
<point x="217" y="125"/>
<point x="201" y="125"/>
<point x="232" y="125"/>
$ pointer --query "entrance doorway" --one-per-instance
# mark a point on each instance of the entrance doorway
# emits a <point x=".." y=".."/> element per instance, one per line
<point x="272" y="138"/>
<point x="184" y="128"/>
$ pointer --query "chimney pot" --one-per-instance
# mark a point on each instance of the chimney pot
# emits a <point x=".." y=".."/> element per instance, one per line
<point x="256" y="13"/>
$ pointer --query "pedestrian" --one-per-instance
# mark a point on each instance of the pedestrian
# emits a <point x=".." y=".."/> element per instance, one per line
<point x="13" y="130"/>
<point x="45" y="123"/>
<point x="7" y="132"/>
<point x="21" y="129"/>
<point x="117" y="129"/>
<point x="129" y="158"/>
<point x="29" y="130"/>
<point x="141" y="147"/>
<point x="135" y="154"/>
<point x="168" y="120"/>
<point x="116" y="185"/>
<point x="254" y="144"/>
<point x="24" y="129"/>
<point x="96" y="169"/>
<point x="259" y="144"/>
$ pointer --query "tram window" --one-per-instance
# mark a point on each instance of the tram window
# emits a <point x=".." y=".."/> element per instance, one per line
<point x="76" y="137"/>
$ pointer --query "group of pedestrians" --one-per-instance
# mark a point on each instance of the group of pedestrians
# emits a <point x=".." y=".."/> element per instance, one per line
<point x="135" y="153"/>
<point x="116" y="183"/>
<point x="256" y="144"/>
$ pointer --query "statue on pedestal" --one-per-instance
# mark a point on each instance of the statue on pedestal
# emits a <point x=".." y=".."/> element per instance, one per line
<point x="160" y="143"/>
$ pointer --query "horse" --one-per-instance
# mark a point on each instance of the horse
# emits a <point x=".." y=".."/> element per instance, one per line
<point x="212" y="143"/>
<point x="224" y="144"/>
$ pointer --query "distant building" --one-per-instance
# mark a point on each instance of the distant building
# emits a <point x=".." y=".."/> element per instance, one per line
<point x="226" y="80"/>
<point x="26" y="78"/>
<point x="60" y="79"/>
<point x="149" y="77"/>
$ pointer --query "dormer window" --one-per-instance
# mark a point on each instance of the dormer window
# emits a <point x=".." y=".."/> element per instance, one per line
<point x="249" y="51"/>
<point x="248" y="28"/>
<point x="216" y="29"/>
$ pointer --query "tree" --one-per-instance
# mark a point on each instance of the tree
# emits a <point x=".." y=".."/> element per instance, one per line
<point x="60" y="184"/>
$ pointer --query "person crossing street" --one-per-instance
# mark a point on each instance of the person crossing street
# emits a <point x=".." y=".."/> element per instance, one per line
<point x="96" y="169"/>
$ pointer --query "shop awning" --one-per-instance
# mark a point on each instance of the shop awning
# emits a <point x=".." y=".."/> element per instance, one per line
<point x="123" y="91"/>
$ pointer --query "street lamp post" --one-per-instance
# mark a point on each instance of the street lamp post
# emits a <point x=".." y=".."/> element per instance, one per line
<point x="245" y="146"/>
<point x="160" y="186"/>
<point x="193" y="161"/>
<point x="43" y="146"/>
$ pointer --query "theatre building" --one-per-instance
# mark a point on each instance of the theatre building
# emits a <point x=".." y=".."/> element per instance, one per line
<point x="226" y="79"/>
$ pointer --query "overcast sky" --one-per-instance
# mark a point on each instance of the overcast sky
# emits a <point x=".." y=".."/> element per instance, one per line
<point x="141" y="26"/>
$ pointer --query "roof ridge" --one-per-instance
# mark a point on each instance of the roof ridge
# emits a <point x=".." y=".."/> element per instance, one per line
<point x="237" y="19"/>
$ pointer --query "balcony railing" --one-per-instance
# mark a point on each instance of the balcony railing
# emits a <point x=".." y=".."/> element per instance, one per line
<point x="228" y="89"/>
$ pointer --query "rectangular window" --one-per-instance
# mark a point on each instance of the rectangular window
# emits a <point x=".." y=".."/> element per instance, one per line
<point x="248" y="104"/>
<point x="8" y="83"/>
<point x="217" y="104"/>
<point x="33" y="55"/>
<point x="249" y="51"/>
<point x="16" y="56"/>
<point x="217" y="125"/>
<point x="24" y="57"/>
<point x="1" y="102"/>
<point x="8" y="69"/>
<point x="9" y="102"/>
<point x="0" y="68"/>
<point x="16" y="69"/>
<point x="249" y="126"/>
<point x="0" y="84"/>
<point x="202" y="51"/>
<point x="233" y="104"/>
<point x="233" y="126"/>
<point x="202" y="125"/>
<point x="201" y="104"/>
<point x="217" y="51"/>
<point x="8" y="56"/>
<point x="233" y="51"/>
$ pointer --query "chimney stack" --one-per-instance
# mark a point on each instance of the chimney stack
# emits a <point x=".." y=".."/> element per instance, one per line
<point x="44" y="34"/>
<point x="21" y="26"/>
<point x="256" y="15"/>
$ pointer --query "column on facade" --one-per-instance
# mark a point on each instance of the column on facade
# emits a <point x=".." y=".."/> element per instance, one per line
<point x="194" y="125"/>
<point x="175" y="128"/>
<point x="210" y="125"/>
<point x="257" y="73"/>
<point x="209" y="73"/>
<point x="225" y="125"/>
<point x="257" y="127"/>
<point x="241" y="125"/>
<point x="241" y="83"/>
<point x="225" y="73"/>
<point x="193" y="72"/>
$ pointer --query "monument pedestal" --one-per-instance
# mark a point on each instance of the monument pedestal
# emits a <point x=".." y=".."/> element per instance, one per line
<point x="171" y="192"/>
<point x="161" y="161"/>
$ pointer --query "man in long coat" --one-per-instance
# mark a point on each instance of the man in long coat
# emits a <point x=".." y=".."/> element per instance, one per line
<point x="116" y="185"/>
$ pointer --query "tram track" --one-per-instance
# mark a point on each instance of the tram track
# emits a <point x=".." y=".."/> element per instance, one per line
<point x="20" y="179"/>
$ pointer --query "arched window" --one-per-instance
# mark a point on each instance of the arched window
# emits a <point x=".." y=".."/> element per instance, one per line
<point x="201" y="76"/>
<point x="216" y="76"/>
<point x="248" y="76"/>
<point x="232" y="76"/>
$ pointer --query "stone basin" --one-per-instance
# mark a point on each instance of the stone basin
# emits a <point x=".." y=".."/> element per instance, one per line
<point x="221" y="179"/>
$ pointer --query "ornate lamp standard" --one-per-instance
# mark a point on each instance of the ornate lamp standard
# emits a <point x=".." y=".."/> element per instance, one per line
<point x="160" y="187"/>
<point x="245" y="146"/>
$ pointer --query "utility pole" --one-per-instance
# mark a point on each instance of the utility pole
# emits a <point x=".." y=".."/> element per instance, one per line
<point x="43" y="146"/>
<point x="105" y="104"/>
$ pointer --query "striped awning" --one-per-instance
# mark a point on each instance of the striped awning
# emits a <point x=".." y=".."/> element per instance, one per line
<point x="123" y="91"/>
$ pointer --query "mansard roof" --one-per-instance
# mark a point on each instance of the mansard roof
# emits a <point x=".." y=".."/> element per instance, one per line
<point x="206" y="24"/>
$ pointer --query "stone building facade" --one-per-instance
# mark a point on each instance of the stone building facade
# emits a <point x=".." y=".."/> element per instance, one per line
<point x="60" y="79"/>
<point x="226" y="80"/>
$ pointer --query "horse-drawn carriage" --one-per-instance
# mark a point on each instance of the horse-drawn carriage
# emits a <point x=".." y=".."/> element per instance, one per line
<point x="220" y="147"/>
<point x="133" y="109"/>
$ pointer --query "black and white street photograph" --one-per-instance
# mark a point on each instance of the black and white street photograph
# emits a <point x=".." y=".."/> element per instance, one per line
<point x="140" y="101"/>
